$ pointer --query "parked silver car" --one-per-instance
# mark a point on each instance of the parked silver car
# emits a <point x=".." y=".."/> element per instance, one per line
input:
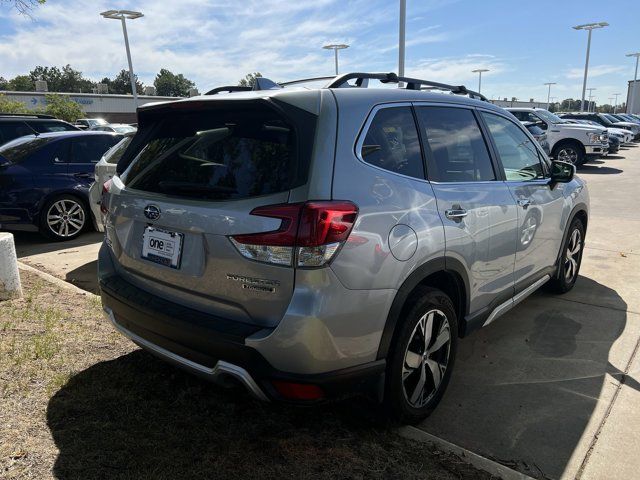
<point x="104" y="170"/>
<point x="313" y="241"/>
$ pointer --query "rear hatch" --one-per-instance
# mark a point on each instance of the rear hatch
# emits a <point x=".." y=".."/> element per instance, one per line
<point x="190" y="179"/>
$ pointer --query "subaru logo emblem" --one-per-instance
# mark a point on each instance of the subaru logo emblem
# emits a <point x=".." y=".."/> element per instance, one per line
<point x="152" y="212"/>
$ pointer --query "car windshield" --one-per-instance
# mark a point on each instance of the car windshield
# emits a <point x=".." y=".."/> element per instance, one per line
<point x="20" y="148"/>
<point x="549" y="117"/>
<point x="124" y="129"/>
<point x="97" y="121"/>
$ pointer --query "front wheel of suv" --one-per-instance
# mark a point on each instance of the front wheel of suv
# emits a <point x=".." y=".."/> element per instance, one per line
<point x="570" y="152"/>
<point x="570" y="259"/>
<point x="422" y="356"/>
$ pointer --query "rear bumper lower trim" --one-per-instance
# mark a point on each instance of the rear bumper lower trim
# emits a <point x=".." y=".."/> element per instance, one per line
<point x="221" y="367"/>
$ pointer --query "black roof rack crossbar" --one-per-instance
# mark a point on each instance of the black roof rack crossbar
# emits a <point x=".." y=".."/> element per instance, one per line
<point x="229" y="88"/>
<point x="305" y="80"/>
<point x="412" y="83"/>
<point x="36" y="115"/>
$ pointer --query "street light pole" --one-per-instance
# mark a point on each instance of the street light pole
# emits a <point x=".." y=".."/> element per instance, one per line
<point x="123" y="15"/>
<point x="589" y="27"/>
<point x="479" y="72"/>
<point x="401" y="37"/>
<point x="590" y="97"/>
<point x="635" y="78"/>
<point x="549" y="93"/>
<point x="335" y="47"/>
<point x="615" y="106"/>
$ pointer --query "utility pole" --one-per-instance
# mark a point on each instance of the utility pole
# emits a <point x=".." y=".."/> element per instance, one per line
<point x="589" y="27"/>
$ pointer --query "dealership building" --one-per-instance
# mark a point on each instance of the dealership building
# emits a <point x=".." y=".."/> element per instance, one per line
<point x="113" y="108"/>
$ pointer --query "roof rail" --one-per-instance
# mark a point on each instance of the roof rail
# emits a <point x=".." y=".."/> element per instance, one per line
<point x="412" y="83"/>
<point x="305" y="80"/>
<point x="228" y="88"/>
<point x="36" y="115"/>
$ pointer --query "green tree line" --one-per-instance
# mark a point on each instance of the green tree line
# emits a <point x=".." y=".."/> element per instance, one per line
<point x="69" y="80"/>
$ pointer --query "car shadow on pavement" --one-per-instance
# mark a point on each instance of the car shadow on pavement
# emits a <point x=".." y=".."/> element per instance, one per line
<point x="587" y="168"/>
<point x="525" y="388"/>
<point x="85" y="277"/>
<point x="28" y="243"/>
<point x="138" y="417"/>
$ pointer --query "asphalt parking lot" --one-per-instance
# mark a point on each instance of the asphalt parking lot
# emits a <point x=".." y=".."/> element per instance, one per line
<point x="550" y="389"/>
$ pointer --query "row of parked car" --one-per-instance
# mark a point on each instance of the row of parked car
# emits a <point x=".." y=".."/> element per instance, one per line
<point x="311" y="242"/>
<point x="47" y="170"/>
<point x="577" y="137"/>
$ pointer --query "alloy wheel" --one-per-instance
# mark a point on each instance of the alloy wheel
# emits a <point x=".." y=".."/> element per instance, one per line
<point x="66" y="218"/>
<point x="426" y="358"/>
<point x="569" y="155"/>
<point x="572" y="256"/>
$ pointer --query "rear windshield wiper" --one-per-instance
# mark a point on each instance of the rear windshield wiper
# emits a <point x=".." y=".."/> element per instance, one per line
<point x="184" y="187"/>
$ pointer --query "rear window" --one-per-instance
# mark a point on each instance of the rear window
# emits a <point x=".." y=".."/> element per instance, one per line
<point x="115" y="153"/>
<point x="217" y="154"/>
<point x="51" y="126"/>
<point x="20" y="148"/>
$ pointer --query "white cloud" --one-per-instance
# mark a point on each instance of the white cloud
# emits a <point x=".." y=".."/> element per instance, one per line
<point x="595" y="71"/>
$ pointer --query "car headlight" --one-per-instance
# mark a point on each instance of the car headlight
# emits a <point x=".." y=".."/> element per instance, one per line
<point x="593" y="137"/>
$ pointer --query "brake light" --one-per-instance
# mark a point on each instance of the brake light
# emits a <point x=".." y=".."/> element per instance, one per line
<point x="298" y="391"/>
<point x="309" y="235"/>
<point x="103" y="199"/>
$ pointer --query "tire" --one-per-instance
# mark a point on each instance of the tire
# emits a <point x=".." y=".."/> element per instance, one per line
<point x="570" y="152"/>
<point x="407" y="364"/>
<point x="570" y="259"/>
<point x="63" y="218"/>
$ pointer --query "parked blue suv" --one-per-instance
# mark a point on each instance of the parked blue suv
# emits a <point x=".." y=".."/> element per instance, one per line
<point x="45" y="179"/>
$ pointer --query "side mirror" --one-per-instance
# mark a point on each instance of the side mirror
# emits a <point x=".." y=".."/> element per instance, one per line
<point x="562" y="172"/>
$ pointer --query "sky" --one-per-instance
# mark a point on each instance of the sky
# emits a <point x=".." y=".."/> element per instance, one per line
<point x="216" y="42"/>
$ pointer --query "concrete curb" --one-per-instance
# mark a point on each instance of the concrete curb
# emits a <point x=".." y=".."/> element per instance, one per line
<point x="55" y="280"/>
<point x="481" y="463"/>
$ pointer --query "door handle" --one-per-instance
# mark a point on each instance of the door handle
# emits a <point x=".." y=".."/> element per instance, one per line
<point x="456" y="214"/>
<point x="524" y="202"/>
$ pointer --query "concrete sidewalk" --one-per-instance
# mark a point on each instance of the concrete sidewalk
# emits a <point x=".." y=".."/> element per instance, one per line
<point x="551" y="389"/>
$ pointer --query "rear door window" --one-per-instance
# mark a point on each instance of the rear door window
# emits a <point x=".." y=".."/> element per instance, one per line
<point x="456" y="150"/>
<point x="11" y="130"/>
<point x="218" y="153"/>
<point x="392" y="142"/>
<point x="89" y="149"/>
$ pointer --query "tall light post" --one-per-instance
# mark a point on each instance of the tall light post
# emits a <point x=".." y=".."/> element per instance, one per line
<point x="549" y="92"/>
<point x="590" y="97"/>
<point x="123" y="16"/>
<point x="615" y="105"/>
<point x="635" y="78"/>
<point x="401" y="36"/>
<point x="335" y="47"/>
<point x="589" y="27"/>
<point x="479" y="72"/>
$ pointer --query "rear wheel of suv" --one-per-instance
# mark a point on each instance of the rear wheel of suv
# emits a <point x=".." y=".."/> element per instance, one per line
<point x="63" y="218"/>
<point x="570" y="259"/>
<point x="420" y="362"/>
<point x="570" y="152"/>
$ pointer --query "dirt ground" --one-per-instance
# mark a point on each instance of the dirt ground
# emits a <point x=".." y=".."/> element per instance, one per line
<point x="78" y="401"/>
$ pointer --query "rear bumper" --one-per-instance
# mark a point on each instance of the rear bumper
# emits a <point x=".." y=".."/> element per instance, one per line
<point x="213" y="347"/>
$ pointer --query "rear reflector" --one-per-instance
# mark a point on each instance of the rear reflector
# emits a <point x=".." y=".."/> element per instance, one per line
<point x="298" y="391"/>
<point x="309" y="235"/>
<point x="103" y="199"/>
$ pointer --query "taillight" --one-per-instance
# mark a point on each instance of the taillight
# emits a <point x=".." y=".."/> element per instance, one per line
<point x="103" y="199"/>
<point x="309" y="235"/>
<point x="298" y="391"/>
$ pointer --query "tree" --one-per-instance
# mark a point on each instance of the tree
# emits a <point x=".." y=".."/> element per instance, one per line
<point x="66" y="80"/>
<point x="61" y="106"/>
<point x="4" y="84"/>
<point x="21" y="83"/>
<point x="170" y="85"/>
<point x="23" y="6"/>
<point x="11" y="106"/>
<point x="249" y="80"/>
<point x="121" y="83"/>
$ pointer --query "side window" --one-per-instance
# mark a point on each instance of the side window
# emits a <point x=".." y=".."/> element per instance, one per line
<point x="458" y="152"/>
<point x="89" y="149"/>
<point x="518" y="154"/>
<point x="11" y="130"/>
<point x="42" y="127"/>
<point x="392" y="142"/>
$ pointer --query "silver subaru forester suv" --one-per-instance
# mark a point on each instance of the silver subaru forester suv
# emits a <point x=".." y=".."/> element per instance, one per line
<point x="312" y="242"/>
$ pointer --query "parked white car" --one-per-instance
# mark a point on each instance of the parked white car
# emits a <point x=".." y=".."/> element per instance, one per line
<point x="569" y="142"/>
<point x="105" y="169"/>
<point x="625" y="136"/>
